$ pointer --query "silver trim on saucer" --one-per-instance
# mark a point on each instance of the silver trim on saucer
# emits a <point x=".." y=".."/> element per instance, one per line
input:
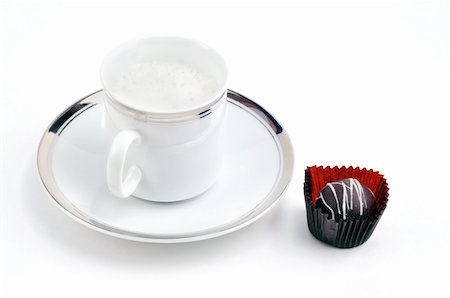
<point x="54" y="130"/>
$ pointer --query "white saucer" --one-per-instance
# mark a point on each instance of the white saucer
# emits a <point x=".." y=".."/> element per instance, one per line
<point x="257" y="171"/>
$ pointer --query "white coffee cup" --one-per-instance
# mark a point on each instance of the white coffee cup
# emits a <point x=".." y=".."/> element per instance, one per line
<point x="169" y="148"/>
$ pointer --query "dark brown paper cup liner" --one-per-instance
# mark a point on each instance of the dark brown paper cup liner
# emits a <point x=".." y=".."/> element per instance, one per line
<point x="342" y="233"/>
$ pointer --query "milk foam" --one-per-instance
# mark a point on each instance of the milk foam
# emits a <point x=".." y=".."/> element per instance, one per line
<point x="165" y="86"/>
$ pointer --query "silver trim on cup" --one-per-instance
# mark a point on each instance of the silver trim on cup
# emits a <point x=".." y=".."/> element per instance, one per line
<point x="167" y="117"/>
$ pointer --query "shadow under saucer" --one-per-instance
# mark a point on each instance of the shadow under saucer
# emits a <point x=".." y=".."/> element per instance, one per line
<point x="72" y="236"/>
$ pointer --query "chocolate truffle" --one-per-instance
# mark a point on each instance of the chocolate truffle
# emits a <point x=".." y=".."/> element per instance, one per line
<point x="346" y="198"/>
<point x="341" y="208"/>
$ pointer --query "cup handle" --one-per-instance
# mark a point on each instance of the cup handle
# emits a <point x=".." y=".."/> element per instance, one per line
<point x="115" y="165"/>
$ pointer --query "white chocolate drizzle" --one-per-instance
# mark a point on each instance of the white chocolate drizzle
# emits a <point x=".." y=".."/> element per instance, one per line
<point x="328" y="206"/>
<point x="330" y="185"/>
<point x="347" y="197"/>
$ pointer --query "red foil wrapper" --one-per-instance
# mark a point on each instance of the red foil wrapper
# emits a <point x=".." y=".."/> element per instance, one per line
<point x="349" y="232"/>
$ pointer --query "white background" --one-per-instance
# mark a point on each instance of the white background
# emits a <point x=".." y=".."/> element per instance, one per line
<point x="362" y="84"/>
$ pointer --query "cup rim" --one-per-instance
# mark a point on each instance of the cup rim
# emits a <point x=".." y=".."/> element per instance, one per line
<point x="122" y="104"/>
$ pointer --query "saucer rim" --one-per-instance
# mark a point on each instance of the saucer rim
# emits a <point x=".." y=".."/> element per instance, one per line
<point x="279" y="134"/>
